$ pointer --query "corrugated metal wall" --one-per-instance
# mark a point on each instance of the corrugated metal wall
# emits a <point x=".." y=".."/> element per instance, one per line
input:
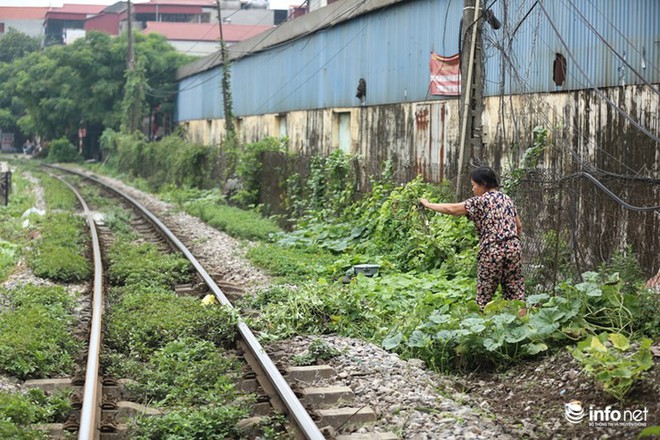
<point x="631" y="28"/>
<point x="390" y="48"/>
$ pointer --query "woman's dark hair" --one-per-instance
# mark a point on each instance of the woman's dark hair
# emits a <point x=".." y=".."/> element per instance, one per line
<point x="484" y="176"/>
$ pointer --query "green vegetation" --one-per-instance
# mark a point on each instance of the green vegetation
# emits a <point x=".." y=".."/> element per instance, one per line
<point x="61" y="150"/>
<point x="421" y="304"/>
<point x="234" y="221"/>
<point x="174" y="348"/>
<point x="144" y="265"/>
<point x="8" y="257"/>
<point x="11" y="220"/>
<point x="45" y="91"/>
<point x="36" y="332"/>
<point x="213" y="422"/>
<point x="57" y="195"/>
<point x="145" y="318"/>
<point x="171" y="161"/>
<point x="317" y="351"/>
<point x="56" y="254"/>
<point x="18" y="411"/>
<point x="292" y="263"/>
<point x="612" y="361"/>
<point x="248" y="170"/>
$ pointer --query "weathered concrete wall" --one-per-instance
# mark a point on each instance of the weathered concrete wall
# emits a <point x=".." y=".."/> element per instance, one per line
<point x="420" y="138"/>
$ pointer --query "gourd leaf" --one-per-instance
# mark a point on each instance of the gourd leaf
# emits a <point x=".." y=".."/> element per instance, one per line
<point x="619" y="341"/>
<point x="393" y="341"/>
<point x="418" y="339"/>
<point x="535" y="348"/>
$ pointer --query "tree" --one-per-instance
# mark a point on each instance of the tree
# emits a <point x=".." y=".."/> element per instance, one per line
<point x="15" y="44"/>
<point x="63" y="85"/>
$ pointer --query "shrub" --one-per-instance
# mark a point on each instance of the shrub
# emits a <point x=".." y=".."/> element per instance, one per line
<point x="294" y="263"/>
<point x="185" y="372"/>
<point x="57" y="194"/>
<point x="36" y="341"/>
<point x="61" y="150"/>
<point x="213" y="422"/>
<point x="56" y="255"/>
<point x="20" y="410"/>
<point x="248" y="170"/>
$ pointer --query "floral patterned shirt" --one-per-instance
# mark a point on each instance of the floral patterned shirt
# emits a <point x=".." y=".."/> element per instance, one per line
<point x="494" y="216"/>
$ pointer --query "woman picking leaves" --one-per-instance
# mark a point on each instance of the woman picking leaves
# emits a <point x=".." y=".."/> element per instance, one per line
<point x="498" y="226"/>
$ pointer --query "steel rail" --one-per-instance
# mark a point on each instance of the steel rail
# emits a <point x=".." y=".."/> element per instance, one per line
<point x="300" y="416"/>
<point x="89" y="420"/>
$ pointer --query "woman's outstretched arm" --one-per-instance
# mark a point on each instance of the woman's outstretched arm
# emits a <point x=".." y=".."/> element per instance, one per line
<point x="445" y="208"/>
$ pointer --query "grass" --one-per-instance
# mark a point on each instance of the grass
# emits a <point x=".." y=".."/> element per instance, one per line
<point x="36" y="333"/>
<point x="292" y="263"/>
<point x="56" y="255"/>
<point x="234" y="221"/>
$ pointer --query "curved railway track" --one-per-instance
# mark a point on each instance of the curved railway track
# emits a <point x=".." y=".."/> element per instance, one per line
<point x="302" y="423"/>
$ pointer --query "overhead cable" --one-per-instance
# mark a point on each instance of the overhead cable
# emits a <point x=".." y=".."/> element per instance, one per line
<point x="611" y="194"/>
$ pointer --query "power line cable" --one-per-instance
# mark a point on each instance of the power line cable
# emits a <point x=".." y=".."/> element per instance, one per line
<point x="583" y="136"/>
<point x="528" y="95"/>
<point x="613" y="196"/>
<point x="323" y="66"/>
<point x="335" y="19"/>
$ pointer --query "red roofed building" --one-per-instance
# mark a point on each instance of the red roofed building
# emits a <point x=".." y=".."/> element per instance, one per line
<point x="65" y="24"/>
<point x="200" y="39"/>
<point x="27" y="20"/>
<point x="189" y="25"/>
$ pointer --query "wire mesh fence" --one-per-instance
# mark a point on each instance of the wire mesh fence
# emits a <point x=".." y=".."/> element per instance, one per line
<point x="570" y="225"/>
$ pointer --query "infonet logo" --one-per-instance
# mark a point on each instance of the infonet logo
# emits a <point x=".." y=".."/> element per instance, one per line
<point x="574" y="411"/>
<point x="608" y="417"/>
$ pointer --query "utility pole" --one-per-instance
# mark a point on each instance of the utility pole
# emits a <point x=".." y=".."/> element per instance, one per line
<point x="129" y="36"/>
<point x="226" y="91"/>
<point x="135" y="86"/>
<point x="471" y="90"/>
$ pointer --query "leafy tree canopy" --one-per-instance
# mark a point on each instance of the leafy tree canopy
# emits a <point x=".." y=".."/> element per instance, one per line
<point x="15" y="44"/>
<point x="61" y="87"/>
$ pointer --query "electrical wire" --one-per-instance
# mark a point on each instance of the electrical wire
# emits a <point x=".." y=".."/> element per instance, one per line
<point x="540" y="104"/>
<point x="613" y="196"/>
<point x="521" y="81"/>
<point x="337" y="18"/>
<point x="610" y="193"/>
<point x="313" y="74"/>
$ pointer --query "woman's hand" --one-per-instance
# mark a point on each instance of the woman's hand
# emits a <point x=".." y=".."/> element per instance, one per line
<point x="424" y="203"/>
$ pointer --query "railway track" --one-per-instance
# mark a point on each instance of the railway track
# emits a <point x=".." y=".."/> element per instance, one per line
<point x="312" y="411"/>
